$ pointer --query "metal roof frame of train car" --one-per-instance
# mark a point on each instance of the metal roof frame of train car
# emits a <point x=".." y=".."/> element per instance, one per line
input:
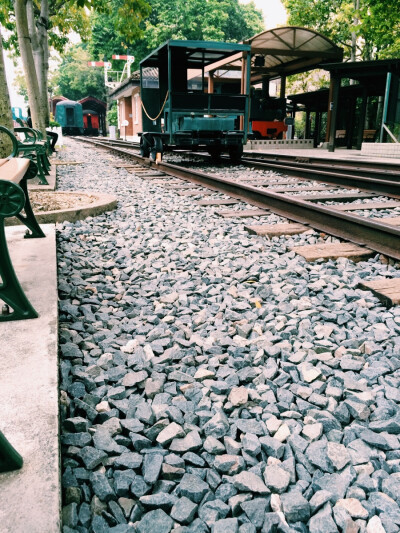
<point x="285" y="51"/>
<point x="199" y="53"/>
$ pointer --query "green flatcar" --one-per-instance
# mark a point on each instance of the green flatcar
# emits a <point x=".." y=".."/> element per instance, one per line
<point x="182" y="109"/>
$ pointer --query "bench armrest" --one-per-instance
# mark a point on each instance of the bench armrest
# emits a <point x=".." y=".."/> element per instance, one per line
<point x="14" y="141"/>
<point x="30" y="134"/>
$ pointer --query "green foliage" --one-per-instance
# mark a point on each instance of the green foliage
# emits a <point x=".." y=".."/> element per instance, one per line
<point x="75" y="79"/>
<point x="64" y="17"/>
<point x="216" y="20"/>
<point x="112" y="115"/>
<point x="370" y="27"/>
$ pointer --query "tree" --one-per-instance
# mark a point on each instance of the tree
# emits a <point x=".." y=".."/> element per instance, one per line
<point x="367" y="29"/>
<point x="5" y="106"/>
<point x="75" y="80"/>
<point x="217" y="20"/>
<point x="44" y="23"/>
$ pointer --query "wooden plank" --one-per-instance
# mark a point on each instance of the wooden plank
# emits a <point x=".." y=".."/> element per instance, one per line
<point x="386" y="290"/>
<point x="341" y="196"/>
<point x="300" y="189"/>
<point x="276" y="230"/>
<point x="369" y="205"/>
<point x="228" y="201"/>
<point x="312" y="252"/>
<point x="393" y="221"/>
<point x="126" y="166"/>
<point x="244" y="213"/>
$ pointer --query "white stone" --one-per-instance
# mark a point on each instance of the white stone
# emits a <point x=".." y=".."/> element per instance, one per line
<point x="312" y="432"/>
<point x="353" y="507"/>
<point x="375" y="525"/>
<point x="283" y="433"/>
<point x="238" y="396"/>
<point x="203" y="373"/>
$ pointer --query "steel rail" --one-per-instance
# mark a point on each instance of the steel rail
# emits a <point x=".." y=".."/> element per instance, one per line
<point x="380" y="183"/>
<point x="318" y="159"/>
<point x="389" y="183"/>
<point x="363" y="231"/>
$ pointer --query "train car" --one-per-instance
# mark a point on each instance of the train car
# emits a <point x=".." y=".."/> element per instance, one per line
<point x="94" y="116"/>
<point x="70" y="117"/>
<point x="180" y="109"/>
<point x="267" y="115"/>
<point x="90" y="123"/>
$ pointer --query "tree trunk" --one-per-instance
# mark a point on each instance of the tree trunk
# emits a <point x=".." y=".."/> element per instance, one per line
<point x="40" y="48"/>
<point x="43" y="75"/>
<point x="5" y="107"/>
<point x="25" y="46"/>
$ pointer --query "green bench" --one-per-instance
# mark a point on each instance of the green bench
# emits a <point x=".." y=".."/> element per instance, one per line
<point x="33" y="146"/>
<point x="14" y="198"/>
<point x="14" y="201"/>
<point x="10" y="459"/>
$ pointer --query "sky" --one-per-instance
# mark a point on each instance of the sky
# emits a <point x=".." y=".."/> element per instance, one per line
<point x="274" y="15"/>
<point x="273" y="10"/>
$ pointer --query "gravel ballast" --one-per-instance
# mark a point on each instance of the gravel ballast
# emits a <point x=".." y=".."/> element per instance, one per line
<point x="212" y="381"/>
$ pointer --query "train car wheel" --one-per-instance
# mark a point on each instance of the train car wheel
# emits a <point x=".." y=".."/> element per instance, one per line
<point x="215" y="153"/>
<point x="144" y="146"/>
<point x="156" y="148"/>
<point x="235" y="153"/>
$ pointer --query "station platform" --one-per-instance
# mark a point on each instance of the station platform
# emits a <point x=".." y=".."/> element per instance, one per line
<point x="340" y="154"/>
<point x="29" y="415"/>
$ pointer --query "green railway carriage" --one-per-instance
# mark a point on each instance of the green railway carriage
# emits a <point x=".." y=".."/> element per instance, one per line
<point x="69" y="115"/>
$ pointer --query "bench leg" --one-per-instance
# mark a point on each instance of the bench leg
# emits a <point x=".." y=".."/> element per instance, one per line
<point x="41" y="171"/>
<point x="10" y="459"/>
<point x="11" y="291"/>
<point x="29" y="219"/>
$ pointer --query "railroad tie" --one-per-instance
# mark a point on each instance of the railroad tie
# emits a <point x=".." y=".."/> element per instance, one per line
<point x="386" y="290"/>
<point x="312" y="252"/>
<point x="244" y="213"/>
<point x="277" y="230"/>
<point x="217" y="201"/>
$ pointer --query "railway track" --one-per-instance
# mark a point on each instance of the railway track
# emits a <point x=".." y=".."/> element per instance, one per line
<point x="338" y="219"/>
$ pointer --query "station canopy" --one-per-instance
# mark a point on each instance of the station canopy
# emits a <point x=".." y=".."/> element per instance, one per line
<point x="285" y="51"/>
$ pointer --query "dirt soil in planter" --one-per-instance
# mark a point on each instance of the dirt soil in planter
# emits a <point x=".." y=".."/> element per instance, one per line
<point x="53" y="201"/>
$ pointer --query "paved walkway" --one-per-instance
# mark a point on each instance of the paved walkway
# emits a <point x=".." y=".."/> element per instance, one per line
<point x="30" y="497"/>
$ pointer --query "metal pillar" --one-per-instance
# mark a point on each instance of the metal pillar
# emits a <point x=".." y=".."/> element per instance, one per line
<point x="386" y="104"/>
<point x="332" y="111"/>
<point x="363" y="112"/>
